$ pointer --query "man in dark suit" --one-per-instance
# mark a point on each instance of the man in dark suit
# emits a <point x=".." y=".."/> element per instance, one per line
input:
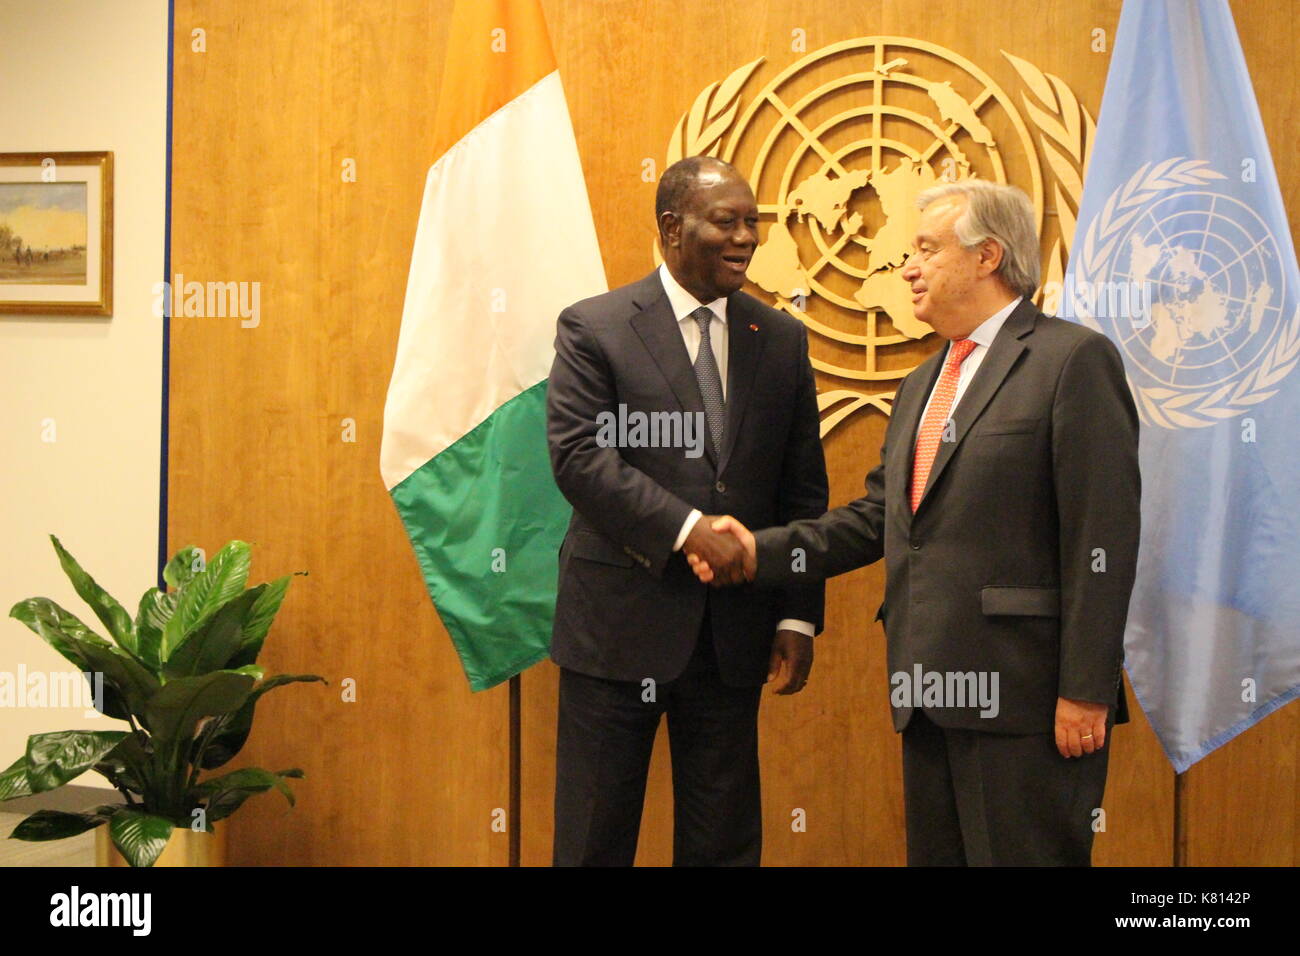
<point x="1006" y="508"/>
<point x="672" y="400"/>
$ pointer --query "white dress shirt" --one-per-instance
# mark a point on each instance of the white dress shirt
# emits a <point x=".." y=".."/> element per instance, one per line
<point x="683" y="304"/>
<point x="983" y="337"/>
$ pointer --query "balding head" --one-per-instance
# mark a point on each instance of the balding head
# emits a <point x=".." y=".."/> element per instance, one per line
<point x="680" y="180"/>
<point x="708" y="226"/>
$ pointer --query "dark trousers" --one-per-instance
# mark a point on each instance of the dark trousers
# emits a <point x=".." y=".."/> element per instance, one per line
<point x="974" y="798"/>
<point x="605" y="735"/>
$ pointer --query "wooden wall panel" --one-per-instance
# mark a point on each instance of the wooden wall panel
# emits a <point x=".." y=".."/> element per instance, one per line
<point x="1139" y="800"/>
<point x="1241" y="804"/>
<point x="411" y="772"/>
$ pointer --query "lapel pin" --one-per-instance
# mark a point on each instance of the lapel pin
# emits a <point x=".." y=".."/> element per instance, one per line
<point x="753" y="327"/>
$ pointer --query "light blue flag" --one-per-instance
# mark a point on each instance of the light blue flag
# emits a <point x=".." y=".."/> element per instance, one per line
<point x="1183" y="256"/>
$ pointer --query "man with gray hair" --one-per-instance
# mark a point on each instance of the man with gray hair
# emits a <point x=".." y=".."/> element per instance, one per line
<point x="1006" y="509"/>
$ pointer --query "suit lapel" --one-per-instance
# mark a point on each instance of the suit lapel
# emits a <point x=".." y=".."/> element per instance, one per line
<point x="1002" y="355"/>
<point x="745" y="341"/>
<point x="662" y="337"/>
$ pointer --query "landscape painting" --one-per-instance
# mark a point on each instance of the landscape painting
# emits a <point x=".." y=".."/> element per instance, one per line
<point x="56" y="233"/>
<point x="43" y="233"/>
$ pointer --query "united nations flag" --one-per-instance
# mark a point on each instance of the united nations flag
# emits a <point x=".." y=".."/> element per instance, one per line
<point x="1183" y="256"/>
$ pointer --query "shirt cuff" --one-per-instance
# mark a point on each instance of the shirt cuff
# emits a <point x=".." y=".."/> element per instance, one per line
<point x="687" y="525"/>
<point x="803" y="627"/>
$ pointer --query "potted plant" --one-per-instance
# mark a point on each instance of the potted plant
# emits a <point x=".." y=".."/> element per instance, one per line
<point x="183" y="672"/>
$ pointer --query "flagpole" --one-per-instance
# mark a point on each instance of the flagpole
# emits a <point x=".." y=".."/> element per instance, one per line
<point x="1180" y="830"/>
<point x="515" y="800"/>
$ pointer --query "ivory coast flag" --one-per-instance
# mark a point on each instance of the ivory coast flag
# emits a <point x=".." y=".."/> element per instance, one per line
<point x="505" y="241"/>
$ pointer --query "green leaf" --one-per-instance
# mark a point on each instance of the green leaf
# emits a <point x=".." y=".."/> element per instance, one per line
<point x="221" y="581"/>
<point x="13" y="781"/>
<point x="184" y="565"/>
<point x="225" y="794"/>
<point x="177" y="707"/>
<point x="140" y="837"/>
<point x="259" y="620"/>
<point x="106" y="608"/>
<point x="156" y="608"/>
<point x="56" y="824"/>
<point x="54" y="759"/>
<point x="226" y="744"/>
<point x="61" y="630"/>
<point x="215" y="641"/>
<point x="124" y="675"/>
<point x="88" y="652"/>
<point x="127" y="764"/>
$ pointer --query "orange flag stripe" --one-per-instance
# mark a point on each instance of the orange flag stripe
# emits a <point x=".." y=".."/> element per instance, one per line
<point x="480" y="76"/>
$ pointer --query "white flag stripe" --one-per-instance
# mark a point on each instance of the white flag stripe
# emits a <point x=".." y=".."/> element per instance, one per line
<point x="505" y="241"/>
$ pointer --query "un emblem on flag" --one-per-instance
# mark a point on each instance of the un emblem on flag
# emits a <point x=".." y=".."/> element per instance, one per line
<point x="1188" y="281"/>
<point x="836" y="147"/>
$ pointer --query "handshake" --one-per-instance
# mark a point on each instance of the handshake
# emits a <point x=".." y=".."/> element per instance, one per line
<point x="720" y="550"/>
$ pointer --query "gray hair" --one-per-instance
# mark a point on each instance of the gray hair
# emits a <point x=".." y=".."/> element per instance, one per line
<point x="998" y="212"/>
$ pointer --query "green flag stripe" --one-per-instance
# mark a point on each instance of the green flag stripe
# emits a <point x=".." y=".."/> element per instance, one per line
<point x="486" y="522"/>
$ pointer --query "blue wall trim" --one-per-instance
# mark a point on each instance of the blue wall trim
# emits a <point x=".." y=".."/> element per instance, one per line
<point x="166" y="317"/>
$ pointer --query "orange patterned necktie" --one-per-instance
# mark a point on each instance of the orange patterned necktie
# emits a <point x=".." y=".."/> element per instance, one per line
<point x="936" y="417"/>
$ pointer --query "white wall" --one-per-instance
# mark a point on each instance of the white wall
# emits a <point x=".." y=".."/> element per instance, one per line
<point x="83" y="75"/>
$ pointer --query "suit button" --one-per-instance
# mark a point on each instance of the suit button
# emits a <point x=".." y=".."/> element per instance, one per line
<point x="720" y="488"/>
<point x="916" y="545"/>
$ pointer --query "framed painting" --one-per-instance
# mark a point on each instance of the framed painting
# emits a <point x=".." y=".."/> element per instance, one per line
<point x="56" y="233"/>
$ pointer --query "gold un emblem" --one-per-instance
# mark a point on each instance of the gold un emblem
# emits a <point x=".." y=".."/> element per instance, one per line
<point x="837" y="146"/>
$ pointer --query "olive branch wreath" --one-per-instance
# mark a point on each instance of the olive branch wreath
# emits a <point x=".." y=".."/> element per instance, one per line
<point x="1066" y="132"/>
<point x="1182" y="408"/>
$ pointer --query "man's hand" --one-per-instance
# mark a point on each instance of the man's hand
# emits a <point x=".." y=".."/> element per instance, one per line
<point x="710" y="573"/>
<point x="716" y="550"/>
<point x="1080" y="726"/>
<point x="791" y="662"/>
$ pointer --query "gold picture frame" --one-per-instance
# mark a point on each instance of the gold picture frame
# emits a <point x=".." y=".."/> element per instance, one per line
<point x="56" y="233"/>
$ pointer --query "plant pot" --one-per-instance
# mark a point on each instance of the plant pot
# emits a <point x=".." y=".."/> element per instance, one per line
<point x="186" y="847"/>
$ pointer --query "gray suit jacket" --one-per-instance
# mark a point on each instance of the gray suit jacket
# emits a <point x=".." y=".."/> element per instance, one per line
<point x="1020" y="559"/>
<point x="628" y="607"/>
